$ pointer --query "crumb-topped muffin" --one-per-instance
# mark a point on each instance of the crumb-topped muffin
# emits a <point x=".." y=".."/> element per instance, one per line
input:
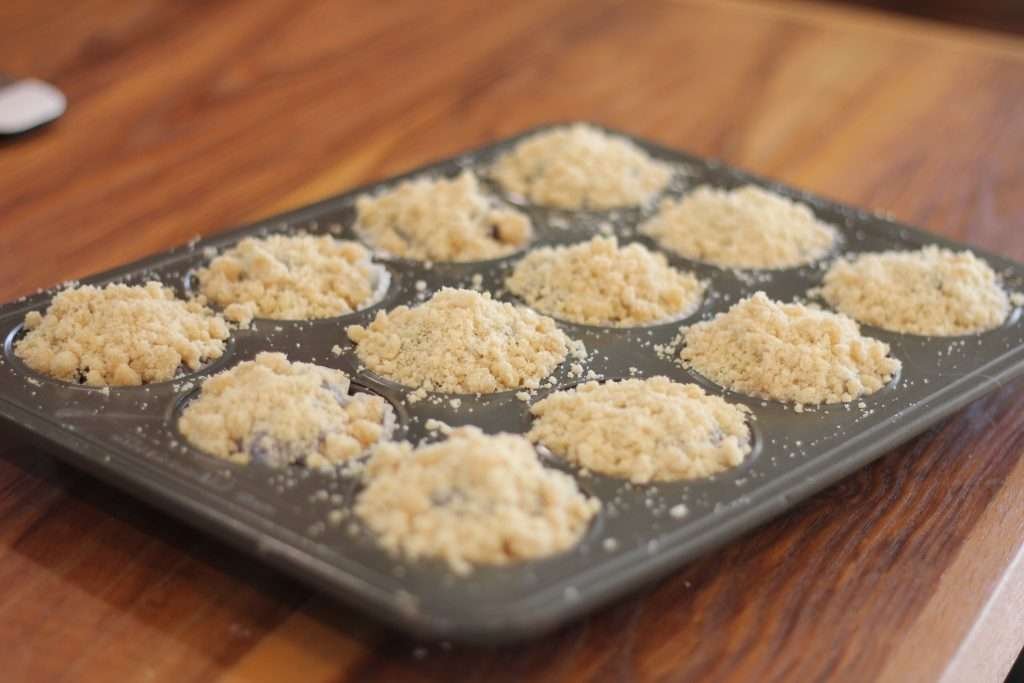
<point x="744" y="228"/>
<point x="278" y="413"/>
<point x="461" y="341"/>
<point x="292" y="277"/>
<point x="472" y="499"/>
<point x="930" y="291"/>
<point x="580" y="167"/>
<point x="788" y="352"/>
<point x="600" y="283"/>
<point x="120" y="335"/>
<point x="440" y="219"/>
<point x="643" y="429"/>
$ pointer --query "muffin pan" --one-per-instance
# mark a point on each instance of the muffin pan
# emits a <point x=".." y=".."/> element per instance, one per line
<point x="298" y="520"/>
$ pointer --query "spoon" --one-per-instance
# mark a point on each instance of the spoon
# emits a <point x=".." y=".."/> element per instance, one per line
<point x="27" y="103"/>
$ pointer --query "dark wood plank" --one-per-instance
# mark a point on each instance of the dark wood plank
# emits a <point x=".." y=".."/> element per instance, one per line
<point x="995" y="15"/>
<point x="186" y="118"/>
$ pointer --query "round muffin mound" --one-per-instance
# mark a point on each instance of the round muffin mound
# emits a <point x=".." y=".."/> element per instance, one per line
<point x="291" y="277"/>
<point x="643" y="429"/>
<point x="461" y="341"/>
<point x="473" y="499"/>
<point x="279" y="413"/>
<point x="580" y="167"/>
<point x="788" y="352"/>
<point x="600" y="283"/>
<point x="120" y="335"/>
<point x="931" y="291"/>
<point x="744" y="228"/>
<point x="441" y="220"/>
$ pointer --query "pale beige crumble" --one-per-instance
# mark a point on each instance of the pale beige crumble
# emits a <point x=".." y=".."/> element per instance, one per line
<point x="120" y="335"/>
<point x="600" y="283"/>
<point x="278" y="412"/>
<point x="473" y="499"/>
<point x="292" y="277"/>
<point x="643" y="429"/>
<point x="580" y="166"/>
<point x="788" y="352"/>
<point x="462" y="341"/>
<point x="744" y="228"/>
<point x="441" y="220"/>
<point x="931" y="291"/>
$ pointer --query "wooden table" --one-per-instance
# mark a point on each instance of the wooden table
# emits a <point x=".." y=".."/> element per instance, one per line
<point x="186" y="118"/>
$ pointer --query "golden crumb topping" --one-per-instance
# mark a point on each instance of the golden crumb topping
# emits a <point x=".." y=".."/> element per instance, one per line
<point x="744" y="228"/>
<point x="278" y="412"/>
<point x="120" y="335"/>
<point x="473" y="499"/>
<point x="788" y="352"/>
<point x="643" y="429"/>
<point x="931" y="291"/>
<point x="441" y="220"/>
<point x="600" y="283"/>
<point x="581" y="167"/>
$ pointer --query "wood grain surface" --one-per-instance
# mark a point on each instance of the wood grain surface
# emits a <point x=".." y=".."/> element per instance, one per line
<point x="185" y="118"/>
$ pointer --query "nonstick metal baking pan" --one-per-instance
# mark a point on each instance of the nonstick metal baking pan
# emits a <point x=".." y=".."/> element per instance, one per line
<point x="127" y="436"/>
